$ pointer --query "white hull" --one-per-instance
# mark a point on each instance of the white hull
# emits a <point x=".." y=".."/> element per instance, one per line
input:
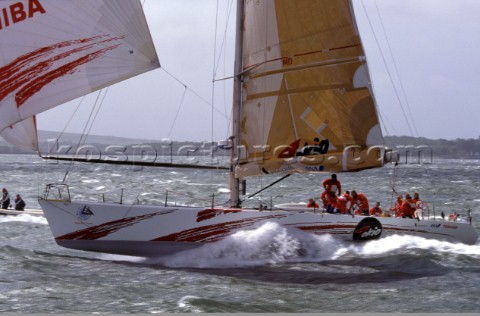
<point x="150" y="231"/>
<point x="32" y="212"/>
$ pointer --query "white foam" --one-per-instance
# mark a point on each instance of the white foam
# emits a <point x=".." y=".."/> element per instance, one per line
<point x="26" y="218"/>
<point x="184" y="303"/>
<point x="271" y="243"/>
<point x="397" y="243"/>
<point x="111" y="257"/>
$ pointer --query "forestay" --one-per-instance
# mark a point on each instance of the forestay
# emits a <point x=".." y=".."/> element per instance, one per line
<point x="307" y="101"/>
<point x="55" y="51"/>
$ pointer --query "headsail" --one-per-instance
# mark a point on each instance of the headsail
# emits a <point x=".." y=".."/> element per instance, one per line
<point x="55" y="51"/>
<point x="22" y="134"/>
<point x="307" y="102"/>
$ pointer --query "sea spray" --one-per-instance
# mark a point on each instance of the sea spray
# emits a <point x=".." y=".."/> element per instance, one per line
<point x="269" y="244"/>
<point x="25" y="218"/>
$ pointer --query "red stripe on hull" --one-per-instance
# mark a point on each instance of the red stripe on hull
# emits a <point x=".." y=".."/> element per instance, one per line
<point x="211" y="213"/>
<point x="105" y="229"/>
<point x="213" y="232"/>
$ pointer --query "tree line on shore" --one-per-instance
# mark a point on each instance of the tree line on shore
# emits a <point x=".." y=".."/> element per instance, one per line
<point x="459" y="148"/>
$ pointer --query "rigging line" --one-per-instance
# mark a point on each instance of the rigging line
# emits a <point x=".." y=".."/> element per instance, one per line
<point x="195" y="93"/>
<point x="178" y="111"/>
<point x="386" y="122"/>
<point x="292" y="116"/>
<point x="305" y="175"/>
<point x="226" y="78"/>
<point x="84" y="135"/>
<point x="386" y="67"/>
<point x="394" y="181"/>
<point x="223" y="49"/>
<point x="283" y="58"/>
<point x="213" y="74"/>
<point x="268" y="186"/>
<point x="402" y="88"/>
<point x="82" y="139"/>
<point x="224" y="40"/>
<point x="229" y="122"/>
<point x="66" y="125"/>
<point x="96" y="114"/>
<point x="396" y="69"/>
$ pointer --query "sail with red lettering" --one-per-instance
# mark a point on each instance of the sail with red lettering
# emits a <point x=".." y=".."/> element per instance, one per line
<point x="307" y="100"/>
<point x="55" y="51"/>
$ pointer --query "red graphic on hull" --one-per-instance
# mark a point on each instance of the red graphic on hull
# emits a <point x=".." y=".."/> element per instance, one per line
<point x="105" y="229"/>
<point x="327" y="229"/>
<point x="211" y="213"/>
<point x="361" y="230"/>
<point x="214" y="232"/>
<point x="31" y="72"/>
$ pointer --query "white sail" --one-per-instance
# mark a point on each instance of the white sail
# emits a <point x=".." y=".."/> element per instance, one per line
<point x="55" y="51"/>
<point x="22" y="134"/>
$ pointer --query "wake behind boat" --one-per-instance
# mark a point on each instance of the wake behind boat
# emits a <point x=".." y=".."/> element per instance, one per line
<point x="303" y="103"/>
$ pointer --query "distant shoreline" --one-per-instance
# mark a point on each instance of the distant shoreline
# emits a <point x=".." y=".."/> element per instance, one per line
<point x="406" y="145"/>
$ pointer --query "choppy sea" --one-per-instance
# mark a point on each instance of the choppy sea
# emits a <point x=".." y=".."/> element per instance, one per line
<point x="259" y="271"/>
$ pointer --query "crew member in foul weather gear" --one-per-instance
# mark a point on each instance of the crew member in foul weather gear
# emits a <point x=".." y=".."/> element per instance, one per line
<point x="376" y="210"/>
<point x="361" y="202"/>
<point x="329" y="201"/>
<point x="416" y="200"/>
<point x="345" y="203"/>
<point x="408" y="207"/>
<point x="396" y="209"/>
<point x="329" y="197"/>
<point x="312" y="204"/>
<point x="453" y="217"/>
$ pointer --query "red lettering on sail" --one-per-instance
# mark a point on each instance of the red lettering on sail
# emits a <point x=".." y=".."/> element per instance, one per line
<point x="34" y="6"/>
<point x="6" y="20"/>
<point x="17" y="12"/>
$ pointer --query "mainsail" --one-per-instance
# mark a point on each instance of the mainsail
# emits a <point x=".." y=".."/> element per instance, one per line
<point x="55" y="51"/>
<point x="307" y="101"/>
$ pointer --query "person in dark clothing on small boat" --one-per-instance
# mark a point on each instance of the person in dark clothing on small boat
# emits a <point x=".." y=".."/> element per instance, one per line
<point x="19" y="203"/>
<point x="5" y="199"/>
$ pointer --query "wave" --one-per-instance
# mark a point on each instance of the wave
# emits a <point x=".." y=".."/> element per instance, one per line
<point x="273" y="244"/>
<point x="25" y="218"/>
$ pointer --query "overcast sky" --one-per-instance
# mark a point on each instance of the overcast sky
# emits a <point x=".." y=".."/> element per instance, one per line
<point x="428" y="72"/>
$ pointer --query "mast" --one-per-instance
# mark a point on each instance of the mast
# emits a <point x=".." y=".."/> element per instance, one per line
<point x="237" y="106"/>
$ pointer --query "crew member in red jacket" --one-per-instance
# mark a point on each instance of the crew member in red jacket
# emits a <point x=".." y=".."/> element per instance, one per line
<point x="332" y="186"/>
<point x="362" y="203"/>
<point x="345" y="203"/>
<point x="376" y="210"/>
<point x="408" y="207"/>
<point x="397" y="208"/>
